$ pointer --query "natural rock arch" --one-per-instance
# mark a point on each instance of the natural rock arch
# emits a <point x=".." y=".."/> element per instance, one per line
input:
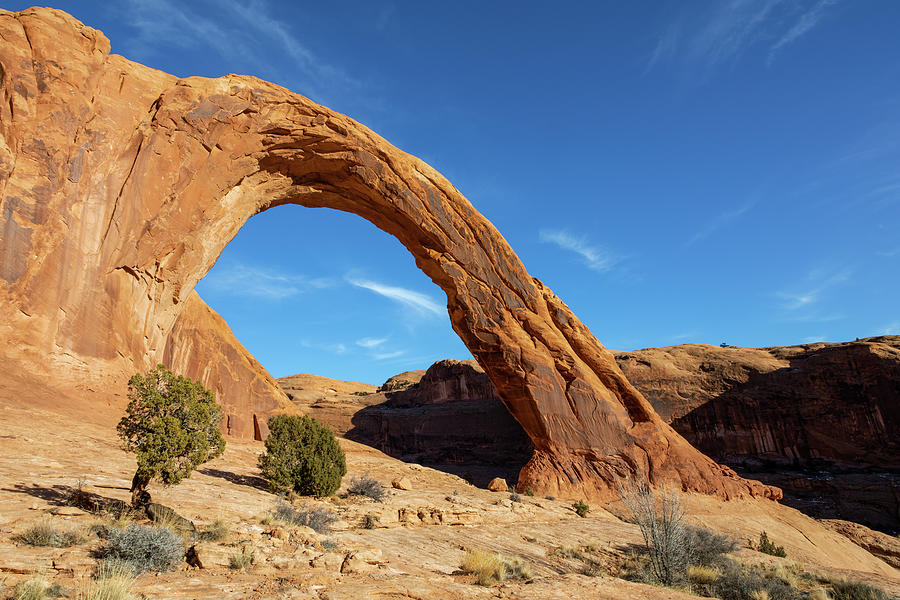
<point x="134" y="181"/>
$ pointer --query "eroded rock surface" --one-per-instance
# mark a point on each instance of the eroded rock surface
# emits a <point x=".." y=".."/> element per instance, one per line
<point x="120" y="185"/>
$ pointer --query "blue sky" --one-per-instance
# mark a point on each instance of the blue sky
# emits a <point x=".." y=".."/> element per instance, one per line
<point x="676" y="171"/>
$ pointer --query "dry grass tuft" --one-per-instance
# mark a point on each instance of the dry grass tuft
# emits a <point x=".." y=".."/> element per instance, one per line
<point x="33" y="589"/>
<point x="112" y="582"/>
<point x="241" y="560"/>
<point x="489" y="567"/>
<point x="700" y="574"/>
<point x="45" y="533"/>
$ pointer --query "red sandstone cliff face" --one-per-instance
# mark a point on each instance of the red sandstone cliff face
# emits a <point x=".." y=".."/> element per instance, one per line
<point x="820" y="421"/>
<point x="838" y="403"/>
<point x="120" y="186"/>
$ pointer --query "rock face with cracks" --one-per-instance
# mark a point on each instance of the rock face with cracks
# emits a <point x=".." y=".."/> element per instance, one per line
<point x="120" y="185"/>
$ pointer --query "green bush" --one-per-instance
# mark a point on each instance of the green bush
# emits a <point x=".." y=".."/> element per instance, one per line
<point x="145" y="548"/>
<point x="172" y="426"/>
<point x="581" y="508"/>
<point x="302" y="456"/>
<point x="766" y="546"/>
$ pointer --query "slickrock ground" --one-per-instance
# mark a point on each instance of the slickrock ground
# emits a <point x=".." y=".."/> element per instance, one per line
<point x="413" y="553"/>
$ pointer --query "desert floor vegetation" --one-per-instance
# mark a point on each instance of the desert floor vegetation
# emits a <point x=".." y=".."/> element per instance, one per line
<point x="490" y="567"/>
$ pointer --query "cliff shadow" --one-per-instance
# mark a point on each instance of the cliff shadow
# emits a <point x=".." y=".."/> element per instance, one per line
<point x="473" y="439"/>
<point x="824" y="429"/>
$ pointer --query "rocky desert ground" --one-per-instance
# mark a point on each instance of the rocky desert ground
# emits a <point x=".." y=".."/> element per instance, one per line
<point x="414" y="551"/>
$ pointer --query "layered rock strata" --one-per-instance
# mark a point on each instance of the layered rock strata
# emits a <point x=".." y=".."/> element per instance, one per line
<point x="120" y="185"/>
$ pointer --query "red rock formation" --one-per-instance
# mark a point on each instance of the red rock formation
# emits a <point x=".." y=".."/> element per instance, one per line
<point x="121" y="185"/>
<point x="837" y="403"/>
<point x="202" y="347"/>
<point x="819" y="420"/>
<point x="451" y="419"/>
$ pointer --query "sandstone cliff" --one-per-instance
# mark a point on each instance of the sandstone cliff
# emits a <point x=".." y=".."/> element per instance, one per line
<point x="120" y="186"/>
<point x="832" y="403"/>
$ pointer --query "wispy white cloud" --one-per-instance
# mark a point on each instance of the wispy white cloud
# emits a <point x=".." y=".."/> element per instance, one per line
<point x="594" y="257"/>
<point x="244" y="32"/>
<point x="722" y="220"/>
<point x="258" y="282"/>
<point x="801" y="27"/>
<point x="722" y="34"/>
<point x="812" y="339"/>
<point x="417" y="301"/>
<point x="388" y="355"/>
<point x="335" y="348"/>
<point x="891" y="329"/>
<point x="815" y="285"/>
<point x="370" y="342"/>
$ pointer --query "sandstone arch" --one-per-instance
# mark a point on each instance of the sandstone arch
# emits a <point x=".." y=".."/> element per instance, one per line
<point x="121" y="185"/>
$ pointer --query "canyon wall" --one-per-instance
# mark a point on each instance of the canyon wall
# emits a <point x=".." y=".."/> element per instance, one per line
<point x="120" y="185"/>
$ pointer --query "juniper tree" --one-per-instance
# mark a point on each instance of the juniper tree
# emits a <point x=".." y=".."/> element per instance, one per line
<point x="172" y="426"/>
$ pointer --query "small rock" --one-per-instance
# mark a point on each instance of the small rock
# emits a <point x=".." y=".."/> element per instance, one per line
<point x="328" y="560"/>
<point x="352" y="564"/>
<point x="402" y="483"/>
<point x="498" y="484"/>
<point x="68" y="511"/>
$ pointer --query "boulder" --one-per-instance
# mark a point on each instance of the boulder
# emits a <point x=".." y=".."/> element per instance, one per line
<point x="402" y="483"/>
<point x="498" y="484"/>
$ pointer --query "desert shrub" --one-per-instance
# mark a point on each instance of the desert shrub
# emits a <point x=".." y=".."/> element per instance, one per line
<point x="515" y="497"/>
<point x="214" y="532"/>
<point x="660" y="516"/>
<point x="581" y="508"/>
<point x="44" y="533"/>
<point x="855" y="590"/>
<point x="317" y="518"/>
<point x="329" y="545"/>
<point x="33" y="589"/>
<point x="302" y="456"/>
<point x="736" y="583"/>
<point x="172" y="426"/>
<point x="370" y="521"/>
<point x="489" y="567"/>
<point x="241" y="560"/>
<point x="364" y="485"/>
<point x="766" y="546"/>
<point x="145" y="548"/>
<point x="705" y="547"/>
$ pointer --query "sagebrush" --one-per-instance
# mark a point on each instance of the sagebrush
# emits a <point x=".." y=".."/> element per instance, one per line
<point x="145" y="548"/>
<point x="365" y="485"/>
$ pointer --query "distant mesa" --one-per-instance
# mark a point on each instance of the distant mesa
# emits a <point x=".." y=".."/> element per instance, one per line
<point x="120" y="186"/>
